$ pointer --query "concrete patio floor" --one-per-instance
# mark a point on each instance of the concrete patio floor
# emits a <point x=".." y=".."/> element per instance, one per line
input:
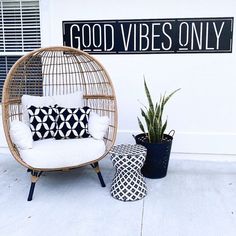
<point x="197" y="198"/>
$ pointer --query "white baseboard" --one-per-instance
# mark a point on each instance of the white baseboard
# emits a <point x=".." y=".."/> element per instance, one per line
<point x="187" y="146"/>
<point x="203" y="157"/>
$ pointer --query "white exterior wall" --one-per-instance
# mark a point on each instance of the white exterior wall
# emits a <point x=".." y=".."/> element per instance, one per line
<point x="203" y="113"/>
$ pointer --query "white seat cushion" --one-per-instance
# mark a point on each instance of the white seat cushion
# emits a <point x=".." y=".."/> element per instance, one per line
<point x="51" y="153"/>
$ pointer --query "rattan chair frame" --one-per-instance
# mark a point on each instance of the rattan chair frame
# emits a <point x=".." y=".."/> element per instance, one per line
<point x="53" y="71"/>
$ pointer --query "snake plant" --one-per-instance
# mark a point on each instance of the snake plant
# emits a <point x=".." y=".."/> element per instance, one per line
<point x="153" y="116"/>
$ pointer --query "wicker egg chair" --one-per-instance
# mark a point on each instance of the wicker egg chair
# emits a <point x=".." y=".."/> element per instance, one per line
<point x="57" y="71"/>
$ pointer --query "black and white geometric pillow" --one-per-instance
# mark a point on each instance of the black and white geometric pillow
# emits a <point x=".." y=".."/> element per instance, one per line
<point x="72" y="123"/>
<point x="42" y="121"/>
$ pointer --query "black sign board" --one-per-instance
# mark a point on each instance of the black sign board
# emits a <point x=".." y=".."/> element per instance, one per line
<point x="189" y="35"/>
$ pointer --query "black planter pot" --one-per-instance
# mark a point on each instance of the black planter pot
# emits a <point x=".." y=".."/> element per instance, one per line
<point x="157" y="158"/>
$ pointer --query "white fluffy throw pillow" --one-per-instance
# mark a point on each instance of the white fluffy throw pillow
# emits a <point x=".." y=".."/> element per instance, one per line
<point x="71" y="100"/>
<point x="97" y="125"/>
<point x="21" y="135"/>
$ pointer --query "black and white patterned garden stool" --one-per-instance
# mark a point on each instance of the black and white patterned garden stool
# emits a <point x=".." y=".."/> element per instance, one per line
<point x="128" y="183"/>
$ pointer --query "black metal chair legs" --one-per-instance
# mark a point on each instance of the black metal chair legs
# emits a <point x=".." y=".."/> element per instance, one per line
<point x="96" y="168"/>
<point x="36" y="174"/>
<point x="34" y="177"/>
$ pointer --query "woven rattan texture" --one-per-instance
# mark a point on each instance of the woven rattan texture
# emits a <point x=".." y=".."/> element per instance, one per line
<point x="56" y="71"/>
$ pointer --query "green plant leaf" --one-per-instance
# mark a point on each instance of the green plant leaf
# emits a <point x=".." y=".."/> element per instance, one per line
<point x="161" y="107"/>
<point x="156" y="128"/>
<point x="148" y="95"/>
<point x="151" y="115"/>
<point x="141" y="125"/>
<point x="151" y="134"/>
<point x="170" y="95"/>
<point x="145" y="115"/>
<point x="163" y="129"/>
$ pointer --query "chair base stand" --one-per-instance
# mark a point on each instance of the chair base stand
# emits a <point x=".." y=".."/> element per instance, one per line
<point x="34" y="178"/>
<point x="36" y="174"/>
<point x="97" y="169"/>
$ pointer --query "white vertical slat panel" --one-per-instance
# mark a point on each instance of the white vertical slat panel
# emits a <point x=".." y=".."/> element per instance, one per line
<point x="19" y="32"/>
<point x="20" y="25"/>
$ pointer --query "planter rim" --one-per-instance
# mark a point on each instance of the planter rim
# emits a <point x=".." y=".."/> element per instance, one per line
<point x="168" y="137"/>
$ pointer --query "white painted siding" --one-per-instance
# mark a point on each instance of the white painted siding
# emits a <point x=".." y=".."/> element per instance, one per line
<point x="203" y="113"/>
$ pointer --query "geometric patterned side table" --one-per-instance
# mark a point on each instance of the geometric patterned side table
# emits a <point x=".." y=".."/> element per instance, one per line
<point x="128" y="183"/>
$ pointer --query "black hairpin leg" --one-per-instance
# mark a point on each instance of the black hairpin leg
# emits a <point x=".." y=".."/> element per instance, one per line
<point x="34" y="177"/>
<point x="96" y="168"/>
